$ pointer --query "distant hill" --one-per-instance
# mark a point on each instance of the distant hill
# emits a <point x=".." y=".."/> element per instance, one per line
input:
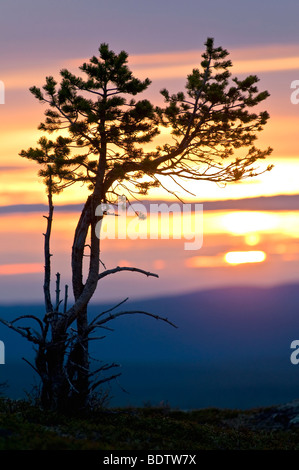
<point x="231" y="349"/>
<point x="264" y="203"/>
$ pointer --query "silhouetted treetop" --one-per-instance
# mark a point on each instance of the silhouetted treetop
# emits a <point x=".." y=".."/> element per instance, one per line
<point x="108" y="131"/>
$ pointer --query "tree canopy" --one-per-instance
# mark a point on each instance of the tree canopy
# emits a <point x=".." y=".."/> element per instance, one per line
<point x="108" y="128"/>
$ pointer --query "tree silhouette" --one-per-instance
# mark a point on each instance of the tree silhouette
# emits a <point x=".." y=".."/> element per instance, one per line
<point x="105" y="148"/>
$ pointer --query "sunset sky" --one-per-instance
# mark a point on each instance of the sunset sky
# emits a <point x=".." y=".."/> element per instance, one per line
<point x="242" y="244"/>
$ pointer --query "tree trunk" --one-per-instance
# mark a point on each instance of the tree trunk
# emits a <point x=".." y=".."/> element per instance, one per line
<point x="64" y="370"/>
<point x="63" y="363"/>
<point x="80" y="355"/>
<point x="50" y="366"/>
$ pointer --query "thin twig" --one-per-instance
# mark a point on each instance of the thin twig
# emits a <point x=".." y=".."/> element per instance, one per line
<point x="108" y="311"/>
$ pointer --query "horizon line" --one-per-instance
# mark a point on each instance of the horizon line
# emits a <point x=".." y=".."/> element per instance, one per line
<point x="274" y="202"/>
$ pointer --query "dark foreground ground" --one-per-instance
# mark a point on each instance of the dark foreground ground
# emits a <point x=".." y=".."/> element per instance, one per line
<point x="26" y="427"/>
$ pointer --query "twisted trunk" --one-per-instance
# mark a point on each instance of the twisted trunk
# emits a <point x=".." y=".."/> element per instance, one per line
<point x="79" y="357"/>
<point x="64" y="369"/>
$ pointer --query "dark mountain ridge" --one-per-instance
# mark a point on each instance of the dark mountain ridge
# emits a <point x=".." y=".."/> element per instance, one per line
<point x="231" y="348"/>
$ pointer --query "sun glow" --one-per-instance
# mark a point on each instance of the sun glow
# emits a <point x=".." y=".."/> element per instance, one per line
<point x="252" y="239"/>
<point x="241" y="223"/>
<point x="242" y="257"/>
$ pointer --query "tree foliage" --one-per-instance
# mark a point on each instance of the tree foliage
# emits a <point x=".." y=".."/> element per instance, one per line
<point x="108" y="129"/>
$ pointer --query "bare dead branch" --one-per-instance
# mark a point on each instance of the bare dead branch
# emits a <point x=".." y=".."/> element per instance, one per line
<point x="92" y="338"/>
<point x="31" y="365"/>
<point x="21" y="332"/>
<point x="93" y="327"/>
<point x="100" y="382"/>
<point x="57" y="292"/>
<point x="33" y="317"/>
<point x="107" y="311"/>
<point x="125" y="268"/>
<point x="69" y="381"/>
<point x="47" y="255"/>
<point x="133" y="312"/>
<point x="79" y="366"/>
<point x="103" y="369"/>
<point x="65" y="298"/>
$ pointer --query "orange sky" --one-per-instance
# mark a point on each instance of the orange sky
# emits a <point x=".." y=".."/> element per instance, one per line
<point x="21" y="234"/>
<point x="275" y="65"/>
<point x="274" y="235"/>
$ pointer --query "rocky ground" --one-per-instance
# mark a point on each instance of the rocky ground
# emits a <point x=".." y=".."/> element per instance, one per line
<point x="281" y="417"/>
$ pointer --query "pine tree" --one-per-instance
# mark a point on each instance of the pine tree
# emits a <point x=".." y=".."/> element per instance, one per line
<point x="108" y="130"/>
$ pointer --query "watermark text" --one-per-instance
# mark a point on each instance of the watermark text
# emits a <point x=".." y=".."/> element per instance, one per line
<point x="2" y="353"/>
<point x="151" y="221"/>
<point x="295" y="354"/>
<point x="295" y="93"/>
<point x="2" y="92"/>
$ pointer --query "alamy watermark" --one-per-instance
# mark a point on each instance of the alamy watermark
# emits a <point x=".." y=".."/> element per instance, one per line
<point x="295" y="354"/>
<point x="151" y="221"/>
<point x="2" y="92"/>
<point x="295" y="93"/>
<point x="2" y="353"/>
